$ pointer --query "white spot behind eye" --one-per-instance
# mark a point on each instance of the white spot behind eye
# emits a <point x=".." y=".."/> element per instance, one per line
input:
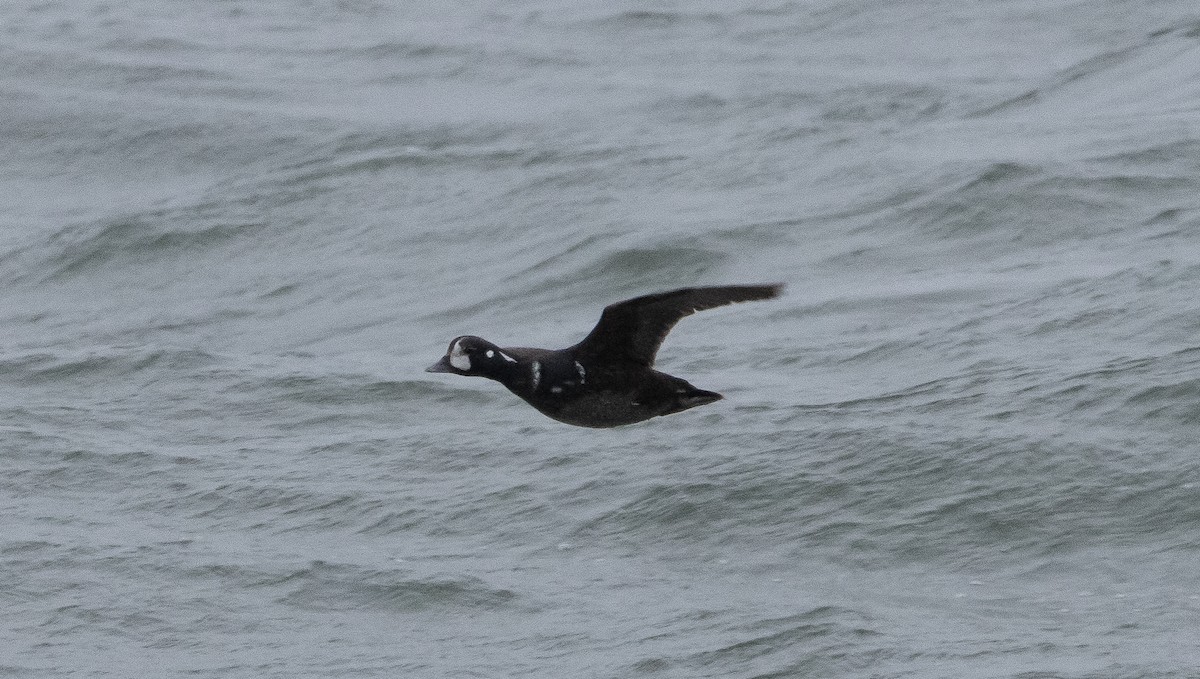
<point x="490" y="353"/>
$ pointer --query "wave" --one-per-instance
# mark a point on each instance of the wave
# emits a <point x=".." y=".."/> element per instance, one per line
<point x="1152" y="75"/>
<point x="324" y="586"/>
<point x="71" y="368"/>
<point x="82" y="249"/>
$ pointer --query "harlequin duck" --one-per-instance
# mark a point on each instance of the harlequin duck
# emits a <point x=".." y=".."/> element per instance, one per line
<point x="607" y="379"/>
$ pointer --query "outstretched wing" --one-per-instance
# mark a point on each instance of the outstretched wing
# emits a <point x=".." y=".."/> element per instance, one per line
<point x="634" y="329"/>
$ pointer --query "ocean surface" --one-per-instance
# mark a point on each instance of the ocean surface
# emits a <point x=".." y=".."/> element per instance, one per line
<point x="964" y="444"/>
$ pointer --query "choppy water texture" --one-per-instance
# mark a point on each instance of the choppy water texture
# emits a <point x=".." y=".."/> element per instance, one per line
<point x="964" y="444"/>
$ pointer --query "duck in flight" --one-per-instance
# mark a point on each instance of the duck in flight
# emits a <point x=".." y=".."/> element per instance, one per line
<point x="608" y="379"/>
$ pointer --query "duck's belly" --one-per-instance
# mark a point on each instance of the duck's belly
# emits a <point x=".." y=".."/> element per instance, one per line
<point x="613" y="408"/>
<point x="600" y="409"/>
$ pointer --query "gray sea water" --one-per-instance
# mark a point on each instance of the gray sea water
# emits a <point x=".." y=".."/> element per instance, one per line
<point x="963" y="444"/>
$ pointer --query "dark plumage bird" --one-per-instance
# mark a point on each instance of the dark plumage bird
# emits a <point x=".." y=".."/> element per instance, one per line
<point x="606" y="380"/>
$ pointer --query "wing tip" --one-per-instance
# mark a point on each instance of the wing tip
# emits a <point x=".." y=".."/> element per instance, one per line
<point x="773" y="289"/>
<point x="759" y="291"/>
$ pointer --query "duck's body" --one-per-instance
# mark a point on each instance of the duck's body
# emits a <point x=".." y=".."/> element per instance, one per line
<point x="607" y="379"/>
<point x="579" y="391"/>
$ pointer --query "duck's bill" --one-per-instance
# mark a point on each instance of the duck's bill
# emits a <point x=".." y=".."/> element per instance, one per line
<point x="442" y="366"/>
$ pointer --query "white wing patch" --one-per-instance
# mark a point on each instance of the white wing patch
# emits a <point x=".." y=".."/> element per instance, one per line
<point x="582" y="373"/>
<point x="536" y="370"/>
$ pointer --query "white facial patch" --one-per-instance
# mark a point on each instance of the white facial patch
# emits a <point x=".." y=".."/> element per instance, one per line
<point x="536" y="374"/>
<point x="459" y="358"/>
